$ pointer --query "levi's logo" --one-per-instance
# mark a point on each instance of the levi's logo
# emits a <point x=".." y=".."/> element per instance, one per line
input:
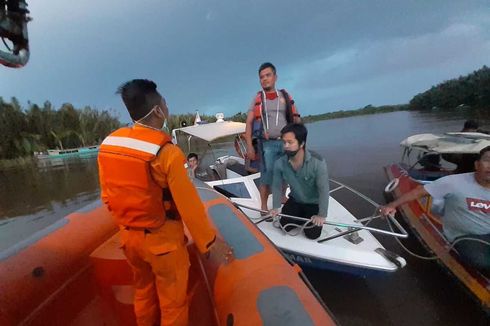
<point x="475" y="204"/>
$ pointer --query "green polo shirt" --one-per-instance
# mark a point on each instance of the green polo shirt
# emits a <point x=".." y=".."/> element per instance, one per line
<point x="309" y="185"/>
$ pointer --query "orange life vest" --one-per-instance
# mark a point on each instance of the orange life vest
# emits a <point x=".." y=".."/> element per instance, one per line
<point x="134" y="198"/>
<point x="291" y="111"/>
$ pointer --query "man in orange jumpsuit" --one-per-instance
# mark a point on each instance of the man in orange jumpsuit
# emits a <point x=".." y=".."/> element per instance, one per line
<point x="145" y="186"/>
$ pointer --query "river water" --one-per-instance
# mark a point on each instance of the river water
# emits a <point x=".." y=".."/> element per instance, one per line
<point x="356" y="149"/>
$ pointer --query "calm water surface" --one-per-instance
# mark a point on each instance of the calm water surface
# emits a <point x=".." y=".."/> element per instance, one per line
<point x="422" y="293"/>
<point x="356" y="149"/>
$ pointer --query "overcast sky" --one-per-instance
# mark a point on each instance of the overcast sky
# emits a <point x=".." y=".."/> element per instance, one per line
<point x="204" y="55"/>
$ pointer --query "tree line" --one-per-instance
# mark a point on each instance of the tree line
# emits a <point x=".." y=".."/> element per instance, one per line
<point x="38" y="128"/>
<point x="368" y="109"/>
<point x="470" y="91"/>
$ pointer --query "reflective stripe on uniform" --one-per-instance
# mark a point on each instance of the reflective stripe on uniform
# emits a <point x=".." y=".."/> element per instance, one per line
<point x="132" y="143"/>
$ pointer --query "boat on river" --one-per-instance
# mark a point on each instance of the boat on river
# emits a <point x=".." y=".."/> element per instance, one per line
<point x="346" y="242"/>
<point x="427" y="157"/>
<point x="70" y="152"/>
<point x="423" y="218"/>
<point x="74" y="273"/>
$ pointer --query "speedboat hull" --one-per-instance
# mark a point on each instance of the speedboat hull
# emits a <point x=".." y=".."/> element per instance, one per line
<point x="359" y="257"/>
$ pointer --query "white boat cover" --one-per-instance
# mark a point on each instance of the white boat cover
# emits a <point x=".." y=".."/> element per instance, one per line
<point x="451" y="142"/>
<point x="212" y="131"/>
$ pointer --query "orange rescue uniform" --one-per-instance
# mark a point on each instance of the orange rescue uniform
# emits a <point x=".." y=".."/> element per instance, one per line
<point x="145" y="186"/>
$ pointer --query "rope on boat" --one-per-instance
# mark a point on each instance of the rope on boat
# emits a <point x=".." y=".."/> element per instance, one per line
<point x="392" y="186"/>
<point x="403" y="233"/>
<point x="435" y="257"/>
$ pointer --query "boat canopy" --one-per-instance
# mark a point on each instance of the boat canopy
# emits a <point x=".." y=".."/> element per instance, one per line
<point x="451" y="142"/>
<point x="212" y="131"/>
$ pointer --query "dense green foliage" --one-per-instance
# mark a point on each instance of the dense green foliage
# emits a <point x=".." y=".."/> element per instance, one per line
<point x="39" y="128"/>
<point x="471" y="91"/>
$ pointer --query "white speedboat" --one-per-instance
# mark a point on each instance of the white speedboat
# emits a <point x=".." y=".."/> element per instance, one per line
<point x="345" y="244"/>
<point x="427" y="157"/>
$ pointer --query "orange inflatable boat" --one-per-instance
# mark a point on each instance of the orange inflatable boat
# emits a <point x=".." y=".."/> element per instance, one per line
<point x="78" y="275"/>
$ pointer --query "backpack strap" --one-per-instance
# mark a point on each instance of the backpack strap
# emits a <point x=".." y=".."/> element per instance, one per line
<point x="291" y="111"/>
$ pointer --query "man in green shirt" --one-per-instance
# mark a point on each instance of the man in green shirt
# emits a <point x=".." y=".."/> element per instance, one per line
<point x="307" y="176"/>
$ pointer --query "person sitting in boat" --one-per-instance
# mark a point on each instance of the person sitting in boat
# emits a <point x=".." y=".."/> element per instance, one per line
<point x="473" y="126"/>
<point x="307" y="175"/>
<point x="431" y="162"/>
<point x="465" y="162"/>
<point x="196" y="171"/>
<point x="466" y="210"/>
<point x="470" y="126"/>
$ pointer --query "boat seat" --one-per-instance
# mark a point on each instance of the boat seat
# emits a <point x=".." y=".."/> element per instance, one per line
<point x="114" y="279"/>
<point x="238" y="168"/>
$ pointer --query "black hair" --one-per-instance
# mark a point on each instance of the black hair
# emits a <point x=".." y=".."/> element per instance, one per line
<point x="483" y="151"/>
<point x="470" y="124"/>
<point x="266" y="65"/>
<point x="140" y="96"/>
<point x="299" y="130"/>
<point x="191" y="155"/>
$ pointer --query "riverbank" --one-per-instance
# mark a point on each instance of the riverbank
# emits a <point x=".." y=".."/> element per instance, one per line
<point x="369" y="109"/>
<point x="16" y="162"/>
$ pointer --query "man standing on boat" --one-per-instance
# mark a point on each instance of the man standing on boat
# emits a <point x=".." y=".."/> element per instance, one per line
<point x="307" y="175"/>
<point x="146" y="188"/>
<point x="269" y="112"/>
<point x="466" y="210"/>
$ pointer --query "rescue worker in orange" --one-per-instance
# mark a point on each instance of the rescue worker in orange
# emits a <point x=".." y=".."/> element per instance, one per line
<point x="146" y="188"/>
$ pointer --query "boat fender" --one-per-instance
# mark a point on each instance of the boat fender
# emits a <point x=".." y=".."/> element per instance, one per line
<point x="399" y="261"/>
<point x="392" y="185"/>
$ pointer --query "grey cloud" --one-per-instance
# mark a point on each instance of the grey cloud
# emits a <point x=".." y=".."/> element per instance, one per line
<point x="204" y="54"/>
<point x="454" y="45"/>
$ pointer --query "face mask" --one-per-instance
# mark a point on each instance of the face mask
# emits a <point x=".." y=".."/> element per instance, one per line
<point x="165" y="127"/>
<point x="291" y="154"/>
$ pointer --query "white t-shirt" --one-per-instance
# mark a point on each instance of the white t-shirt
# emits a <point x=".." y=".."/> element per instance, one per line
<point x="466" y="205"/>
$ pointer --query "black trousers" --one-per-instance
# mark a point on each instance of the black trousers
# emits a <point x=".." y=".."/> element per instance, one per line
<point x="292" y="207"/>
<point x="475" y="253"/>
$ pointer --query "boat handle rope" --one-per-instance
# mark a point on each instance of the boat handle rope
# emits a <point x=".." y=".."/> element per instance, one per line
<point x="353" y="227"/>
<point x="435" y="257"/>
<point x="403" y="234"/>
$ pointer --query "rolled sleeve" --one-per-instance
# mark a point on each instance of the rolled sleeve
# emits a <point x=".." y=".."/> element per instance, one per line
<point x="439" y="188"/>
